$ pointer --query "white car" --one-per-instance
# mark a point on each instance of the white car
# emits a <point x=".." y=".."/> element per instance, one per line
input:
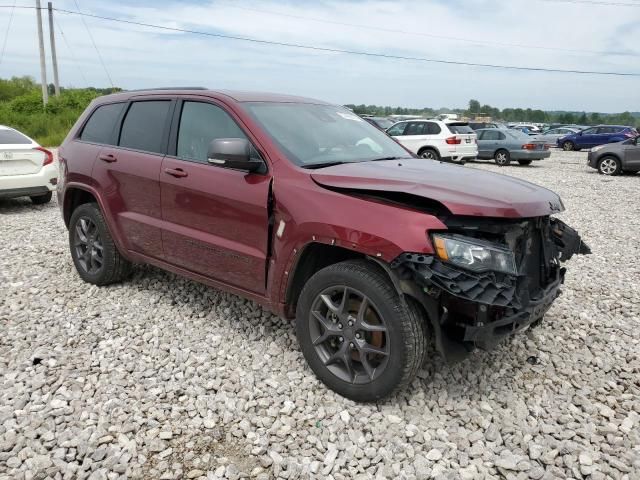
<point x="437" y="140"/>
<point x="26" y="169"/>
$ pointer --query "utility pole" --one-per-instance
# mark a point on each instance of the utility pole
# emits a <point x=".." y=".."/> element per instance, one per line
<point x="54" y="59"/>
<point x="43" y="67"/>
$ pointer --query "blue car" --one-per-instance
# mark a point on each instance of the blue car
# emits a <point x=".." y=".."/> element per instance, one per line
<point x="594" y="136"/>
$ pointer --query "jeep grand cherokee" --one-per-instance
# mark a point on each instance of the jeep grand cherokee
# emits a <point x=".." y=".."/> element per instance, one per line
<point x="307" y="209"/>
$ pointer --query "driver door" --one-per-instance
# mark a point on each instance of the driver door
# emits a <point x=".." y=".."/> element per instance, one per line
<point x="215" y="220"/>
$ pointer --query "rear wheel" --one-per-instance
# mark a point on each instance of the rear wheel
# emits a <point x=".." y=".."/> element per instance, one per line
<point x="355" y="332"/>
<point x="429" y="154"/>
<point x="94" y="254"/>
<point x="502" y="158"/>
<point x="41" y="199"/>
<point x="525" y="162"/>
<point x="609" y="166"/>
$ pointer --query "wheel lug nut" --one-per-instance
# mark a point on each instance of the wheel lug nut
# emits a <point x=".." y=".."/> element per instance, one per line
<point x="357" y="335"/>
<point x="340" y="326"/>
<point x="352" y="345"/>
<point x="340" y="339"/>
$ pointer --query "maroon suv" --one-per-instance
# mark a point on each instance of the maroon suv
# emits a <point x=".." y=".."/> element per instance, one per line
<point x="307" y="209"/>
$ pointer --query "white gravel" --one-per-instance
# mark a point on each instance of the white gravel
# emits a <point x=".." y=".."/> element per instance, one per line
<point x="163" y="378"/>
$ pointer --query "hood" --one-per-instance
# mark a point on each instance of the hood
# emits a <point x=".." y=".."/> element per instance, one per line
<point x="462" y="190"/>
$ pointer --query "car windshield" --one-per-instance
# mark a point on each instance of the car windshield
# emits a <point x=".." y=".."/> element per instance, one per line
<point x="11" y="137"/>
<point x="383" y="123"/>
<point x="315" y="135"/>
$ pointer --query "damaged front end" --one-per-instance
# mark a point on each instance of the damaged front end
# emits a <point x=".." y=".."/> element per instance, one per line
<point x="490" y="278"/>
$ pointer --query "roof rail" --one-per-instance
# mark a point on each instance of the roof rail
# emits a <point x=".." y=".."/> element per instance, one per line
<point x="165" y="88"/>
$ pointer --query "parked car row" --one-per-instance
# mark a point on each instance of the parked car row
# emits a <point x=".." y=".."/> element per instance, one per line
<point x="594" y="136"/>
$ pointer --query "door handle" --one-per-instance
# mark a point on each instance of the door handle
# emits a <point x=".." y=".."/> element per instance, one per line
<point x="107" y="157"/>
<point x="175" y="172"/>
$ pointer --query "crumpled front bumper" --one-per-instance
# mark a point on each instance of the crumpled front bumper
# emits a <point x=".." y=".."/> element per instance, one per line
<point x="479" y="309"/>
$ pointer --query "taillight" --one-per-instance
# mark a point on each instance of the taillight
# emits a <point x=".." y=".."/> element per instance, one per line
<point x="629" y="135"/>
<point x="529" y="146"/>
<point x="453" y="140"/>
<point x="48" y="156"/>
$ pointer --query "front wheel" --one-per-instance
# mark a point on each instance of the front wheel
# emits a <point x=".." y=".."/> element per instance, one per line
<point x="525" y="162"/>
<point x="609" y="166"/>
<point x="568" y="146"/>
<point x="358" y="336"/>
<point x="502" y="158"/>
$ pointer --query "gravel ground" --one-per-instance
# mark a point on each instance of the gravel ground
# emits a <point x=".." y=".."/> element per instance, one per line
<point x="163" y="378"/>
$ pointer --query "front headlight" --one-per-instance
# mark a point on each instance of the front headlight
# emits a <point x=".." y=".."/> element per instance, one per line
<point x="595" y="149"/>
<point x="474" y="254"/>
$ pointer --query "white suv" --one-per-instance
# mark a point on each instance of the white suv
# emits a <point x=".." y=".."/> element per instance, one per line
<point x="26" y="169"/>
<point x="437" y="140"/>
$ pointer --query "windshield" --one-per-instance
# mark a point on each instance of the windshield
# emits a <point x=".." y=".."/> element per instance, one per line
<point x="313" y="135"/>
<point x="383" y="123"/>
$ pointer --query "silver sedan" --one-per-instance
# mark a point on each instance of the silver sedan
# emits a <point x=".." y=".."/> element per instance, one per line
<point x="504" y="145"/>
<point x="550" y="137"/>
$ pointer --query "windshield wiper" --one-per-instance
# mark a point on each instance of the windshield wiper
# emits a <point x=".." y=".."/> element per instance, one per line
<point x="323" y="164"/>
<point x="388" y="158"/>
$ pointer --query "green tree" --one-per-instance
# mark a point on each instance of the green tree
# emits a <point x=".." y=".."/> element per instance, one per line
<point x="474" y="106"/>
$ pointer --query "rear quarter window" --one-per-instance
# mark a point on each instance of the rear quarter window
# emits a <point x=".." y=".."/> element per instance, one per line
<point x="462" y="129"/>
<point x="100" y="128"/>
<point x="11" y="137"/>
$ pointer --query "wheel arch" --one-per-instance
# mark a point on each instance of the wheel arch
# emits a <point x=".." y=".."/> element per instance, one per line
<point x="429" y="147"/>
<point x="75" y="196"/>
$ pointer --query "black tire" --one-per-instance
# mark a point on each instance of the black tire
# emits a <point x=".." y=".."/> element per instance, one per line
<point x="41" y="199"/>
<point x="429" y="154"/>
<point x="405" y="335"/>
<point x="525" y="162"/>
<point x="502" y="157"/>
<point x="609" y="165"/>
<point x="114" y="266"/>
<point x="568" y="146"/>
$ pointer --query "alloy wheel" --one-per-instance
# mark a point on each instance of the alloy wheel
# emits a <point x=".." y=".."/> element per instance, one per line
<point x="349" y="335"/>
<point x="501" y="158"/>
<point x="428" y="154"/>
<point x="88" y="245"/>
<point x="608" y="166"/>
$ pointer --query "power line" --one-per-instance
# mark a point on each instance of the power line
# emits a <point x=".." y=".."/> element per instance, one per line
<point x="82" y="15"/>
<point x="73" y="57"/>
<point x="6" y="33"/>
<point x="353" y="52"/>
<point x="420" y="34"/>
<point x="344" y="51"/>
<point x="596" y="2"/>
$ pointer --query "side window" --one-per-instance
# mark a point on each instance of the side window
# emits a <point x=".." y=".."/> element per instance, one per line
<point x="200" y="123"/>
<point x="432" y="128"/>
<point x="415" y="128"/>
<point x="397" y="129"/>
<point x="143" y="127"/>
<point x="501" y="136"/>
<point x="491" y="135"/>
<point x="100" y="126"/>
<point x="590" y="131"/>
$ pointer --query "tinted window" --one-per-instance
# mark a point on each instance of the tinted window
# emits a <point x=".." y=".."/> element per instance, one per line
<point x="397" y="129"/>
<point x="590" y="131"/>
<point x="13" y="137"/>
<point x="143" y="127"/>
<point x="461" y="128"/>
<point x="200" y="123"/>
<point x="416" y="128"/>
<point x="100" y="127"/>
<point x="433" y="128"/>
<point x="609" y="129"/>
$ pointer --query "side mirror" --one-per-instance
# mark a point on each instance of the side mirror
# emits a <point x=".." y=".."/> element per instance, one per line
<point x="580" y="133"/>
<point x="233" y="153"/>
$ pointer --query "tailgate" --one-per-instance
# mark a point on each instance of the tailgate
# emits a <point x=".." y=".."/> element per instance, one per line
<point x="16" y="161"/>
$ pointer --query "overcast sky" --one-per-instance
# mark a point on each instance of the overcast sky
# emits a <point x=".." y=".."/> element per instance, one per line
<point x="565" y="35"/>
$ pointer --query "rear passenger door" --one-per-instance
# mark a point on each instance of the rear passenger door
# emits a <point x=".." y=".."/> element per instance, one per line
<point x="216" y="220"/>
<point x="128" y="173"/>
<point x="415" y="136"/>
